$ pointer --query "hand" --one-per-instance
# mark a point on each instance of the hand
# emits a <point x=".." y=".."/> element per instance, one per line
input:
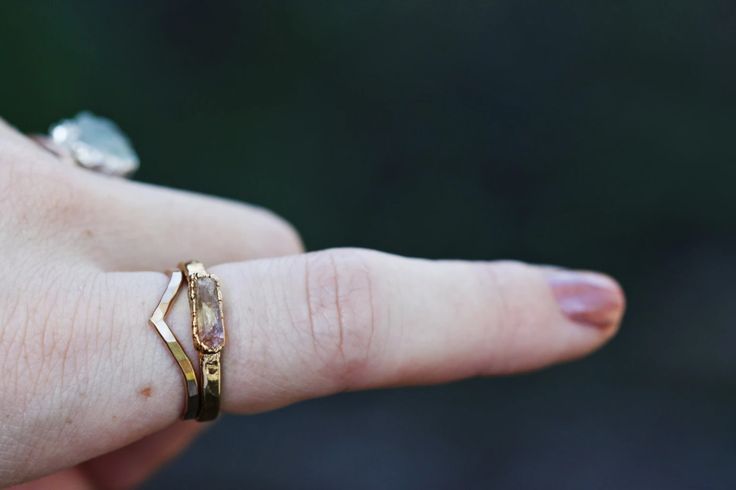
<point x="87" y="383"/>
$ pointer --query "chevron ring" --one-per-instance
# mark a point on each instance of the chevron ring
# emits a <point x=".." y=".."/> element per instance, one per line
<point x="158" y="320"/>
<point x="208" y="333"/>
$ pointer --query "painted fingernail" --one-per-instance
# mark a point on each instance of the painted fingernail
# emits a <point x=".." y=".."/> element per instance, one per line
<point x="588" y="298"/>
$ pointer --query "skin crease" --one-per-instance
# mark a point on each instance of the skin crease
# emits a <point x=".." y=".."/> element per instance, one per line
<point x="91" y="395"/>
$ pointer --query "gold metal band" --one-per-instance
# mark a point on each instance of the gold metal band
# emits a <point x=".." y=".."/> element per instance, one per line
<point x="211" y="382"/>
<point x="208" y="333"/>
<point x="158" y="320"/>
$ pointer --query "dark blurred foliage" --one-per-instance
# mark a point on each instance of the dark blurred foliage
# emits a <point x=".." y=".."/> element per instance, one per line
<point x="594" y="134"/>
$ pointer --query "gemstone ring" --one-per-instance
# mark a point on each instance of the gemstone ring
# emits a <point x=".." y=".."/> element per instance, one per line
<point x="92" y="142"/>
<point x="208" y="334"/>
<point x="202" y="401"/>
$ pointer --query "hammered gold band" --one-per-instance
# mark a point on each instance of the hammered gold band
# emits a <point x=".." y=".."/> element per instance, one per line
<point x="158" y="320"/>
<point x="208" y="333"/>
<point x="211" y="382"/>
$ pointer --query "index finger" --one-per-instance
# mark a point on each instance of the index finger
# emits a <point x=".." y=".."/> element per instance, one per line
<point x="298" y="327"/>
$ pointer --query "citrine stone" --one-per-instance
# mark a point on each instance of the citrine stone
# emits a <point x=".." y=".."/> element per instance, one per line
<point x="210" y="328"/>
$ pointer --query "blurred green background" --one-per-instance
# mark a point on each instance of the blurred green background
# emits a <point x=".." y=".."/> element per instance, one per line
<point x="590" y="134"/>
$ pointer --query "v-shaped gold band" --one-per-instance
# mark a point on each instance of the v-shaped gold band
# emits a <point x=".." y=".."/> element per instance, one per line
<point x="158" y="320"/>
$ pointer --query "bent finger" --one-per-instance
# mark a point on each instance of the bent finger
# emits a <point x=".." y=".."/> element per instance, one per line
<point x="141" y="226"/>
<point x="124" y="225"/>
<point x="131" y="465"/>
<point x="126" y="467"/>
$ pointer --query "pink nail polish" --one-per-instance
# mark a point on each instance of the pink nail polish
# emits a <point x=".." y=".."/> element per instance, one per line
<point x="587" y="297"/>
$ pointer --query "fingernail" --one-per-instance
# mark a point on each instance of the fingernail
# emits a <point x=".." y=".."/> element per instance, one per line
<point x="588" y="298"/>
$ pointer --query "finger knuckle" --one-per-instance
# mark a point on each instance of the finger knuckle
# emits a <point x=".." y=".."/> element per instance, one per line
<point x="341" y="312"/>
<point x="282" y="235"/>
<point x="46" y="193"/>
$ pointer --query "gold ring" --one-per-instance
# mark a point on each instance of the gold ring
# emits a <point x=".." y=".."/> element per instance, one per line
<point x="208" y="332"/>
<point x="158" y="320"/>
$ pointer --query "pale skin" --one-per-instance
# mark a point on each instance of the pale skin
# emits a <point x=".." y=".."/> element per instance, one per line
<point x="91" y="396"/>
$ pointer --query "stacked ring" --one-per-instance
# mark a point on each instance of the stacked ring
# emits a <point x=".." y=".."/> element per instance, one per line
<point x="208" y="332"/>
<point x="158" y="320"/>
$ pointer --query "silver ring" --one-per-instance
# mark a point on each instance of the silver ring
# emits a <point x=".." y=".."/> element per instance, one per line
<point x="92" y="142"/>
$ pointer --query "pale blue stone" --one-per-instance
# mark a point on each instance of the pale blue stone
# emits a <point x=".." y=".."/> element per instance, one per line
<point x="97" y="143"/>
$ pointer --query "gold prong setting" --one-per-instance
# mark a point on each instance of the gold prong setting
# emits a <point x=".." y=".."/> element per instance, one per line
<point x="208" y="322"/>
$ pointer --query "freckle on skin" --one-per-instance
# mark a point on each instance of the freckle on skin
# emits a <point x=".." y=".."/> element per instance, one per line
<point x="88" y="233"/>
<point x="67" y="420"/>
<point x="146" y="392"/>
